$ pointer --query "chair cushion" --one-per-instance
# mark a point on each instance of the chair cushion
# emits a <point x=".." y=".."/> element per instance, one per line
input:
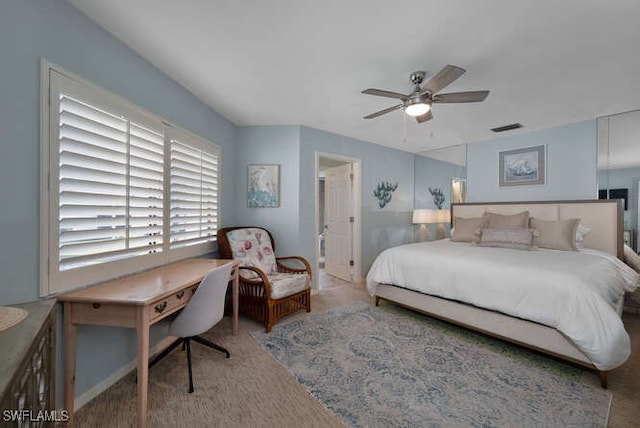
<point x="252" y="247"/>
<point x="286" y="284"/>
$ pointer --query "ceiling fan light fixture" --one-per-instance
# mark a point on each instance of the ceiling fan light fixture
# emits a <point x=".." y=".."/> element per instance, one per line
<point x="417" y="107"/>
<point x="418" y="103"/>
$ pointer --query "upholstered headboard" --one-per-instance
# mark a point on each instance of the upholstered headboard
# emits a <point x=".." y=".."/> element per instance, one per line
<point x="603" y="217"/>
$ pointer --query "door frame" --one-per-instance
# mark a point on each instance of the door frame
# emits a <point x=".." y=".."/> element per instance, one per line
<point x="357" y="210"/>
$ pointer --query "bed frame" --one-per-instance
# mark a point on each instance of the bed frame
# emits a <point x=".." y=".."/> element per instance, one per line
<point x="604" y="217"/>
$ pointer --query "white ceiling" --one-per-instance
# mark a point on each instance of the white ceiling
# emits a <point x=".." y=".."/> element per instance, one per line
<point x="277" y="62"/>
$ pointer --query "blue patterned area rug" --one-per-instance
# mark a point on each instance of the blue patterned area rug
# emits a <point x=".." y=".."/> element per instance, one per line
<point x="389" y="367"/>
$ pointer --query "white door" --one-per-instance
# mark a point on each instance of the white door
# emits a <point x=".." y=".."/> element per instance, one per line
<point x="338" y="217"/>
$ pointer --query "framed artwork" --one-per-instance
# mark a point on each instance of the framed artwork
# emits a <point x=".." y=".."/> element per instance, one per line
<point x="522" y="167"/>
<point x="263" y="186"/>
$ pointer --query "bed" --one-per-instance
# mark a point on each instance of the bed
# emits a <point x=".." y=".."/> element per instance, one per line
<point x="564" y="303"/>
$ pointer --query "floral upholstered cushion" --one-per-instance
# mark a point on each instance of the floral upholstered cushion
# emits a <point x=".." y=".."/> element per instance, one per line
<point x="286" y="284"/>
<point x="252" y="247"/>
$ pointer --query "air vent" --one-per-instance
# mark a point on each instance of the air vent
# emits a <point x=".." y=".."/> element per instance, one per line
<point x="507" y="127"/>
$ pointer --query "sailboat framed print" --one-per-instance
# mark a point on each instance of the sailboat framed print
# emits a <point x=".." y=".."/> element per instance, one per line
<point x="522" y="167"/>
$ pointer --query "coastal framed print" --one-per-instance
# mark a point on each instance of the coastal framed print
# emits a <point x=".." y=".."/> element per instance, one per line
<point x="263" y="186"/>
<point x="522" y="167"/>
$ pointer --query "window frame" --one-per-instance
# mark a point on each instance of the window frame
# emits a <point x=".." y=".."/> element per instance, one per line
<point x="52" y="280"/>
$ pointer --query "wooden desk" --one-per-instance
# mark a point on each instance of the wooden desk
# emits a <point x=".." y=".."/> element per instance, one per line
<point x="135" y="301"/>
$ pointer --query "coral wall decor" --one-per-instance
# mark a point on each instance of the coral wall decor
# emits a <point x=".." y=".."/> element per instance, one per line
<point x="383" y="192"/>
<point x="438" y="196"/>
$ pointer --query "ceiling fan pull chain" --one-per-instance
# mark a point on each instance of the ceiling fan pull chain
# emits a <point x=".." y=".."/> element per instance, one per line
<point x="404" y="128"/>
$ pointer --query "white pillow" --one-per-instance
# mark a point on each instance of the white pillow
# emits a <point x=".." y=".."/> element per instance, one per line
<point x="581" y="232"/>
<point x="631" y="258"/>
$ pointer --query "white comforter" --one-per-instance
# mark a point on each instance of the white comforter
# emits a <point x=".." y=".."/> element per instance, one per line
<point x="574" y="292"/>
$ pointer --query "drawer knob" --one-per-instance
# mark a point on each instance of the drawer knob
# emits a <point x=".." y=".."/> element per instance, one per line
<point x="180" y="294"/>
<point x="161" y="307"/>
<point x="96" y="305"/>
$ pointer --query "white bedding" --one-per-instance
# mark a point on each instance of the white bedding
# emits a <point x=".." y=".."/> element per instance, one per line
<point x="574" y="292"/>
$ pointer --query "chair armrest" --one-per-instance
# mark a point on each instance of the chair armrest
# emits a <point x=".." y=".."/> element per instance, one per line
<point x="261" y="279"/>
<point x="282" y="266"/>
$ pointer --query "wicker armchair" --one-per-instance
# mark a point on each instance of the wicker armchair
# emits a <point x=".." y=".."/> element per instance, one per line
<point x="269" y="288"/>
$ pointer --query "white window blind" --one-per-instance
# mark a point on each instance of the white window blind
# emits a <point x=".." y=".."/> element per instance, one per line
<point x="194" y="195"/>
<point x="122" y="190"/>
<point x="110" y="186"/>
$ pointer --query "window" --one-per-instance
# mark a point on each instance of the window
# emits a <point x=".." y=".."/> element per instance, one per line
<point x="122" y="191"/>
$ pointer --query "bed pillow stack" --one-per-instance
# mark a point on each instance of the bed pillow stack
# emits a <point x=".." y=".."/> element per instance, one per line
<point x="494" y="230"/>
<point x="519" y="231"/>
<point x="507" y="231"/>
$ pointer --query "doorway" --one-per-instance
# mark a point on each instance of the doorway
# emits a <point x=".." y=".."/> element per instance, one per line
<point x="337" y="220"/>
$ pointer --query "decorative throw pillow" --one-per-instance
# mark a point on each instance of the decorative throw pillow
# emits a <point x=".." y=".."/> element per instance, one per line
<point x="252" y="247"/>
<point x="555" y="234"/>
<point x="507" y="221"/>
<point x="631" y="258"/>
<point x="518" y="239"/>
<point x="581" y="232"/>
<point x="467" y="229"/>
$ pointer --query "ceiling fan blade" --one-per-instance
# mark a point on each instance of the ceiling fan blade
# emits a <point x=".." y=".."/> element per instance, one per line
<point x="461" y="97"/>
<point x="381" y="112"/>
<point x="383" y="93"/>
<point x="427" y="116"/>
<point x="444" y="78"/>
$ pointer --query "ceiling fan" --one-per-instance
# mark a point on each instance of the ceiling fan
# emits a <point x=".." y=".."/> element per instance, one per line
<point x="418" y="103"/>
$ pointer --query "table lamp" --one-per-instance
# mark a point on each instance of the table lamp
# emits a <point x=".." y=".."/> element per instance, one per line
<point x="429" y="216"/>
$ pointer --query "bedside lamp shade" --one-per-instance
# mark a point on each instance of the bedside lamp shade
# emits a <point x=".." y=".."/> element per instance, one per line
<point x="425" y="216"/>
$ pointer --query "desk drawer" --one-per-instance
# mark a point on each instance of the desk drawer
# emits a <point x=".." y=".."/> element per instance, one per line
<point x="164" y="307"/>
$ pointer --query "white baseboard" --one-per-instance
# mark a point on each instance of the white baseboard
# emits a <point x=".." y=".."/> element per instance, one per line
<point x="99" y="388"/>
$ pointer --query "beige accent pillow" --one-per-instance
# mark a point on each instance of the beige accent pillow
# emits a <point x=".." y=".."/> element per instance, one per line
<point x="467" y="229"/>
<point x="555" y="234"/>
<point x="507" y="221"/>
<point x="517" y="239"/>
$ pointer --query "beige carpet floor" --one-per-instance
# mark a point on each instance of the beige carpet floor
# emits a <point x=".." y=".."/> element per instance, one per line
<point x="252" y="390"/>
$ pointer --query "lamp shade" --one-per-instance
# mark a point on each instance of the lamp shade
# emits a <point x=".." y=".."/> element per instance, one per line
<point x="423" y="216"/>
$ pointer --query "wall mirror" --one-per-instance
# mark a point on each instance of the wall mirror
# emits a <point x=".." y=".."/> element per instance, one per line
<point x="440" y="178"/>
<point x="619" y="166"/>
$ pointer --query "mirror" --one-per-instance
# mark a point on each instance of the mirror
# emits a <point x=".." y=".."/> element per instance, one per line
<point x="619" y="166"/>
<point x="439" y="179"/>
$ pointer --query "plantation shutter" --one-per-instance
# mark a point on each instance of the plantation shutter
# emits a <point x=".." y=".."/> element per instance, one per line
<point x="193" y="194"/>
<point x="110" y="186"/>
<point x="121" y="190"/>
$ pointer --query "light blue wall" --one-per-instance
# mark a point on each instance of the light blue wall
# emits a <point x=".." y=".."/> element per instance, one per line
<point x="54" y="30"/>
<point x="270" y="145"/>
<point x="625" y="178"/>
<point x="293" y="223"/>
<point x="381" y="228"/>
<point x="571" y="165"/>
<point x="431" y="172"/>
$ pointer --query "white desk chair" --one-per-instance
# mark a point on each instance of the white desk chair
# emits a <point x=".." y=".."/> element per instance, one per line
<point x="204" y="310"/>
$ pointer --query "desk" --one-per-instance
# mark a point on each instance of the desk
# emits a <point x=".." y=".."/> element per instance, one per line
<point x="134" y="301"/>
